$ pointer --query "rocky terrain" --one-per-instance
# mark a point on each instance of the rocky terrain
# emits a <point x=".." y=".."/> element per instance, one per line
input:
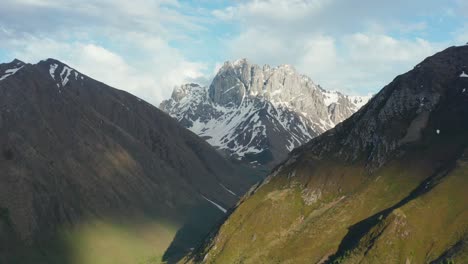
<point x="259" y="114"/>
<point x="388" y="185"/>
<point x="92" y="174"/>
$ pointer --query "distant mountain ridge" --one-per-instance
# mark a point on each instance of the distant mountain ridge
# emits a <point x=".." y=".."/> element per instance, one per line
<point x="259" y="114"/>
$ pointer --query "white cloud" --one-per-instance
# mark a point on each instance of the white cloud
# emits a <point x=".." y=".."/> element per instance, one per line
<point x="257" y="44"/>
<point x="462" y="8"/>
<point x="356" y="63"/>
<point x="224" y="14"/>
<point x="150" y="77"/>
<point x="38" y="3"/>
<point x="461" y="34"/>
<point x="380" y="48"/>
<point x="319" y="55"/>
<point x="121" y="43"/>
<point x="352" y="46"/>
<point x="365" y="60"/>
<point x="279" y="10"/>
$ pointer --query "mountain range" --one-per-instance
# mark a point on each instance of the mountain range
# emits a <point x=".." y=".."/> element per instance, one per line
<point x="388" y="185"/>
<point x="92" y="174"/>
<point x="259" y="114"/>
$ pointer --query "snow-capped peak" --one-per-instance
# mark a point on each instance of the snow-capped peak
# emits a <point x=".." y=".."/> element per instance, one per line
<point x="258" y="114"/>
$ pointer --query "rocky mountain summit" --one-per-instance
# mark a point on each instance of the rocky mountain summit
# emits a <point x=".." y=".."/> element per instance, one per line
<point x="259" y="114"/>
<point x="387" y="185"/>
<point x="88" y="168"/>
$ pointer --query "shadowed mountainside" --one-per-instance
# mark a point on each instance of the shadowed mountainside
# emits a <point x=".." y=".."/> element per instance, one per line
<point x="92" y="174"/>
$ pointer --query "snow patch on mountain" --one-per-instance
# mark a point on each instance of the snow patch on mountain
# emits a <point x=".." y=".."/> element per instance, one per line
<point x="360" y="101"/>
<point x="65" y="74"/>
<point x="330" y="97"/>
<point x="228" y="190"/>
<point x="10" y="72"/>
<point x="215" y="204"/>
<point x="52" y="69"/>
<point x="62" y="73"/>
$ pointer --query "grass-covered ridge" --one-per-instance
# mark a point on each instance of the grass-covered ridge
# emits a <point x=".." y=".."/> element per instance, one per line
<point x="413" y="210"/>
<point x="388" y="185"/>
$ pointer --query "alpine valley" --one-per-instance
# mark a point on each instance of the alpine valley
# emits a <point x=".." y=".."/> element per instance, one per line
<point x="259" y="114"/>
<point x="387" y="185"/>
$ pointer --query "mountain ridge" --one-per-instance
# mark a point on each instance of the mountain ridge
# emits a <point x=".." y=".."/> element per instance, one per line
<point x="258" y="114"/>
<point x="81" y="158"/>
<point x="385" y="186"/>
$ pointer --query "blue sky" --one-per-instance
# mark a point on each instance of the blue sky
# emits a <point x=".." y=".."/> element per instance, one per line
<point x="148" y="46"/>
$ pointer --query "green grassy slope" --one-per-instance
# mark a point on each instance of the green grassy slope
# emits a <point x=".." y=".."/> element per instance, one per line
<point x="96" y="241"/>
<point x="383" y="217"/>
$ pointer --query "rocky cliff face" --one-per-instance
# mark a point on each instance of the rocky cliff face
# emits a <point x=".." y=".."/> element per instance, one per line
<point x="74" y="151"/>
<point x="259" y="114"/>
<point x="388" y="185"/>
<point x="405" y="106"/>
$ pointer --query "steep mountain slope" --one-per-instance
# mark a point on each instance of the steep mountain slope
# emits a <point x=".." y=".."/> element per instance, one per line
<point x="259" y="115"/>
<point x="91" y="174"/>
<point x="388" y="185"/>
